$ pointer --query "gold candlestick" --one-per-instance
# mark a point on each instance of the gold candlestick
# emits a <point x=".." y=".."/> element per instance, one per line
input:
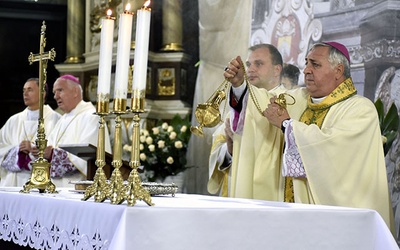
<point x="135" y="190"/>
<point x="40" y="176"/>
<point x="99" y="189"/>
<point x="117" y="190"/>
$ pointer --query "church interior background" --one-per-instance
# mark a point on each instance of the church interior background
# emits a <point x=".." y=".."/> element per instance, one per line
<point x="210" y="33"/>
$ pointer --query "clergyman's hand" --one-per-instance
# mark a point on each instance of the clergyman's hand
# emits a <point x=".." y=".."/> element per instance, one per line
<point x="34" y="152"/>
<point x="25" y="147"/>
<point x="46" y="153"/>
<point x="275" y="113"/>
<point x="234" y="72"/>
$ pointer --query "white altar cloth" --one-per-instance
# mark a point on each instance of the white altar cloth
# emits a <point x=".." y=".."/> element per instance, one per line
<point x="63" y="221"/>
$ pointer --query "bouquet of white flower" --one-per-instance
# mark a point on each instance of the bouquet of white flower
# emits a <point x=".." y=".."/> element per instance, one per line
<point x="163" y="149"/>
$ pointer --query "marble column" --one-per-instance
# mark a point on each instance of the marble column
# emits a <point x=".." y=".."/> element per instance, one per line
<point x="172" y="25"/>
<point x="75" y="31"/>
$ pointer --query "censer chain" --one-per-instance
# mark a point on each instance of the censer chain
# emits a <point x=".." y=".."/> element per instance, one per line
<point x="252" y="95"/>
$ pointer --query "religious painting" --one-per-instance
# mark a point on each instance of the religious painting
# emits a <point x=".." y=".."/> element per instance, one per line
<point x="286" y="36"/>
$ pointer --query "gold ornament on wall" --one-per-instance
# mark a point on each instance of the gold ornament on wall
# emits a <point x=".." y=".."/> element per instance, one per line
<point x="166" y="82"/>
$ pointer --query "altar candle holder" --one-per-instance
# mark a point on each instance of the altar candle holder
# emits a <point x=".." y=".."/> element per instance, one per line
<point x="99" y="189"/>
<point x="135" y="190"/>
<point x="117" y="190"/>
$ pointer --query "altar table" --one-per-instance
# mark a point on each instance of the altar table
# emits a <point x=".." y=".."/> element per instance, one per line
<point x="64" y="221"/>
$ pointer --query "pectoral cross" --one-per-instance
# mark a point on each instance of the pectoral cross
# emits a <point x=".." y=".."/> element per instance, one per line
<point x="40" y="176"/>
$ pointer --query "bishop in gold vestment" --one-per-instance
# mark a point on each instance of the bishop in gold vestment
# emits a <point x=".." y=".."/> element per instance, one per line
<point x="333" y="145"/>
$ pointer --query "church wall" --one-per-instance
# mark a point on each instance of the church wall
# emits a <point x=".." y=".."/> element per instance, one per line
<point x="380" y="34"/>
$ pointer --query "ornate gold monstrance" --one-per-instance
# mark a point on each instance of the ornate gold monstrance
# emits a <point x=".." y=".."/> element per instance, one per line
<point x="40" y="176"/>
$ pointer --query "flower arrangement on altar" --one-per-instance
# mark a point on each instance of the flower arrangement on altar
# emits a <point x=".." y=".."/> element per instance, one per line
<point x="163" y="149"/>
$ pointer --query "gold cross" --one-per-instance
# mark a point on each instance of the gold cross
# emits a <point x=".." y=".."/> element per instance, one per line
<point x="50" y="55"/>
<point x="42" y="57"/>
<point x="40" y="175"/>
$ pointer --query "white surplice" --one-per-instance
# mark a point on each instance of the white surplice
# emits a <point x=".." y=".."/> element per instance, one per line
<point x="19" y="127"/>
<point x="80" y="126"/>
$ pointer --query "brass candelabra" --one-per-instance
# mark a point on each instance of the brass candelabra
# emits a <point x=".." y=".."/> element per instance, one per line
<point x="117" y="190"/>
<point x="99" y="189"/>
<point x="135" y="190"/>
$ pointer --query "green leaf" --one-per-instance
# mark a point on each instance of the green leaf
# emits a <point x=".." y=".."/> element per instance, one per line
<point x="380" y="110"/>
<point x="390" y="136"/>
<point x="389" y="123"/>
<point x="391" y="120"/>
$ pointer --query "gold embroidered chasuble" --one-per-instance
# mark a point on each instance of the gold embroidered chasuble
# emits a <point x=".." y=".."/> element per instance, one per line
<point x="340" y="144"/>
<point x="255" y="172"/>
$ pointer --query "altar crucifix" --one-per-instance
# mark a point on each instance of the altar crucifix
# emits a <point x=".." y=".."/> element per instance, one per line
<point x="40" y="176"/>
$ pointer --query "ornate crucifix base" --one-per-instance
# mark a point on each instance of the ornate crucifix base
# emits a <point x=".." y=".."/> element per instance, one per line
<point x="40" y="178"/>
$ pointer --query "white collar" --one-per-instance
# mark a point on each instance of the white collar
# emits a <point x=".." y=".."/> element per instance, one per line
<point x="317" y="100"/>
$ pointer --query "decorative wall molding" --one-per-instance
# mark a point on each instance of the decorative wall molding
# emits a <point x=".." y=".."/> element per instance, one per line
<point x="379" y="49"/>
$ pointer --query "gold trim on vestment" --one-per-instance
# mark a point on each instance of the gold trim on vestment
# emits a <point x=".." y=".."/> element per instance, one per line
<point x="315" y="112"/>
<point x="288" y="190"/>
<point x="225" y="180"/>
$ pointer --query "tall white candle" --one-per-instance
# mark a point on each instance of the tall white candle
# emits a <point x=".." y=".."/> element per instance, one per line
<point x="105" y="57"/>
<point x="141" y="47"/>
<point x="123" y="53"/>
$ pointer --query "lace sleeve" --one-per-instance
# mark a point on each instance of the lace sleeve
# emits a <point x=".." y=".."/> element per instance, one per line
<point x="60" y="163"/>
<point x="292" y="163"/>
<point x="10" y="161"/>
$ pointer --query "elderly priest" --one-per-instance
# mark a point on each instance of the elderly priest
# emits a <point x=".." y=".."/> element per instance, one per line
<point x="78" y="125"/>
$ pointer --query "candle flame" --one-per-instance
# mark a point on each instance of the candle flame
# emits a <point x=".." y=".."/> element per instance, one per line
<point x="146" y="4"/>
<point x="128" y="7"/>
<point x="109" y="12"/>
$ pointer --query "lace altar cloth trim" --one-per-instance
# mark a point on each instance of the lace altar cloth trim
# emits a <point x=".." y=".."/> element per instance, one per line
<point x="39" y="237"/>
